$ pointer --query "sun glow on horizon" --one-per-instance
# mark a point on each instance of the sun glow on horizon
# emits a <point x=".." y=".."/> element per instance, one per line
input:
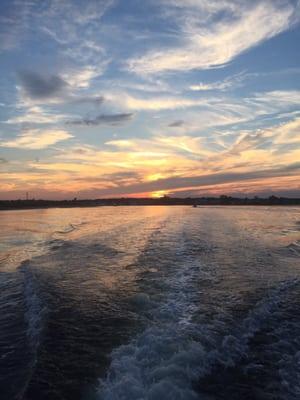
<point x="158" y="194"/>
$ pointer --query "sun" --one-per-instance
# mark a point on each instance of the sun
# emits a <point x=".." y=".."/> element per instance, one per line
<point x="158" y="194"/>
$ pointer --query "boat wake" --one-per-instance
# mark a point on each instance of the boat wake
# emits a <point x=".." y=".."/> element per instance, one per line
<point x="35" y="311"/>
<point x="168" y="359"/>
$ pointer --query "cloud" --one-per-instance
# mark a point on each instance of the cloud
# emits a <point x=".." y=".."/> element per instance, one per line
<point x="288" y="133"/>
<point x="74" y="26"/>
<point x="177" y="124"/>
<point x="36" y="115"/>
<point x="208" y="111"/>
<point x="274" y="137"/>
<point x="204" y="42"/>
<point x="38" y="86"/>
<point x="132" y="102"/>
<point x="202" y="180"/>
<point x="60" y="21"/>
<point x="172" y="163"/>
<point x="35" y="139"/>
<point x="277" y="145"/>
<point x="29" y="115"/>
<point x="191" y="148"/>
<point x="14" y="21"/>
<point x="81" y="77"/>
<point x="85" y="99"/>
<point x="77" y="13"/>
<point x="228" y="83"/>
<point x="228" y="180"/>
<point x="237" y="80"/>
<point x="69" y="87"/>
<point x="262" y="188"/>
<point x="183" y="129"/>
<point x="277" y="99"/>
<point x="103" y="119"/>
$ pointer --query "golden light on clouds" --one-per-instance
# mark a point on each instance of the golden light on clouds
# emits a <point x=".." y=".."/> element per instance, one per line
<point x="162" y="165"/>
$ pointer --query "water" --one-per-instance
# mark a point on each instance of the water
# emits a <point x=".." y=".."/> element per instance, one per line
<point x="150" y="303"/>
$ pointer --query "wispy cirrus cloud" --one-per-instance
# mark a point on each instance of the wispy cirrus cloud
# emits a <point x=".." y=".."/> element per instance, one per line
<point x="78" y="12"/>
<point x="82" y="77"/>
<point x="139" y="103"/>
<point x="73" y="26"/>
<point x="60" y="21"/>
<point x="200" y="112"/>
<point x="227" y="83"/>
<point x="249" y="151"/>
<point x="277" y="138"/>
<point x="14" y="23"/>
<point x="36" y="115"/>
<point x="204" y="43"/>
<point x="193" y="148"/>
<point x="36" y="139"/>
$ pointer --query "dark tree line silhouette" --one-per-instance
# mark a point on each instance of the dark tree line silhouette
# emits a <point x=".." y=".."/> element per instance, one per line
<point x="166" y="201"/>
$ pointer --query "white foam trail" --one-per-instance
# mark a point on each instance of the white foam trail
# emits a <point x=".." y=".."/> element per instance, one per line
<point x="35" y="311"/>
<point x="170" y="355"/>
<point x="161" y="362"/>
<point x="156" y="364"/>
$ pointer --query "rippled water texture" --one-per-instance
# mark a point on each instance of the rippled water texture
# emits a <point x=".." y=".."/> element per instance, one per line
<point x="156" y="303"/>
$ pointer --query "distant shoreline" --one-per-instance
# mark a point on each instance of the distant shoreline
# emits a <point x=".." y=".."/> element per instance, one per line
<point x="163" y="201"/>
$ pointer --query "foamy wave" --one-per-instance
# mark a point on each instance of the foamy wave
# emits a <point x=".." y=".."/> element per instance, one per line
<point x="173" y="353"/>
<point x="35" y="311"/>
<point x="294" y="247"/>
<point x="151" y="365"/>
<point x="67" y="229"/>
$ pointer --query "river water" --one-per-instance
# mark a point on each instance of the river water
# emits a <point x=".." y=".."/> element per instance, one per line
<point x="150" y="303"/>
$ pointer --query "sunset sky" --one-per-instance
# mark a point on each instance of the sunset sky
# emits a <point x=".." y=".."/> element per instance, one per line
<point x="109" y="98"/>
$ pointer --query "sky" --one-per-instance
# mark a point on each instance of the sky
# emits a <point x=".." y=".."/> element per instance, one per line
<point x="111" y="98"/>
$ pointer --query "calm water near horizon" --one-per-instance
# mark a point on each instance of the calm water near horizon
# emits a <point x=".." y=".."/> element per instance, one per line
<point x="150" y="303"/>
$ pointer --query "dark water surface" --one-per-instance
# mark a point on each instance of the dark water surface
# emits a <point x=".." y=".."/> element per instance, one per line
<point x="156" y="303"/>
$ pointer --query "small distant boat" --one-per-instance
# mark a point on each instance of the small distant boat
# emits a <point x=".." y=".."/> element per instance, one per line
<point x="195" y="205"/>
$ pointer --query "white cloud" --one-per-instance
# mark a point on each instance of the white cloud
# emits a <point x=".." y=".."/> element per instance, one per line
<point x="36" y="115"/>
<point x="152" y="103"/>
<point x="288" y="133"/>
<point x="77" y="12"/>
<point x="276" y="136"/>
<point x="82" y="77"/>
<point x="243" y="144"/>
<point x="205" y="45"/>
<point x="230" y="82"/>
<point x="278" y="98"/>
<point x="202" y="112"/>
<point x="35" y="139"/>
